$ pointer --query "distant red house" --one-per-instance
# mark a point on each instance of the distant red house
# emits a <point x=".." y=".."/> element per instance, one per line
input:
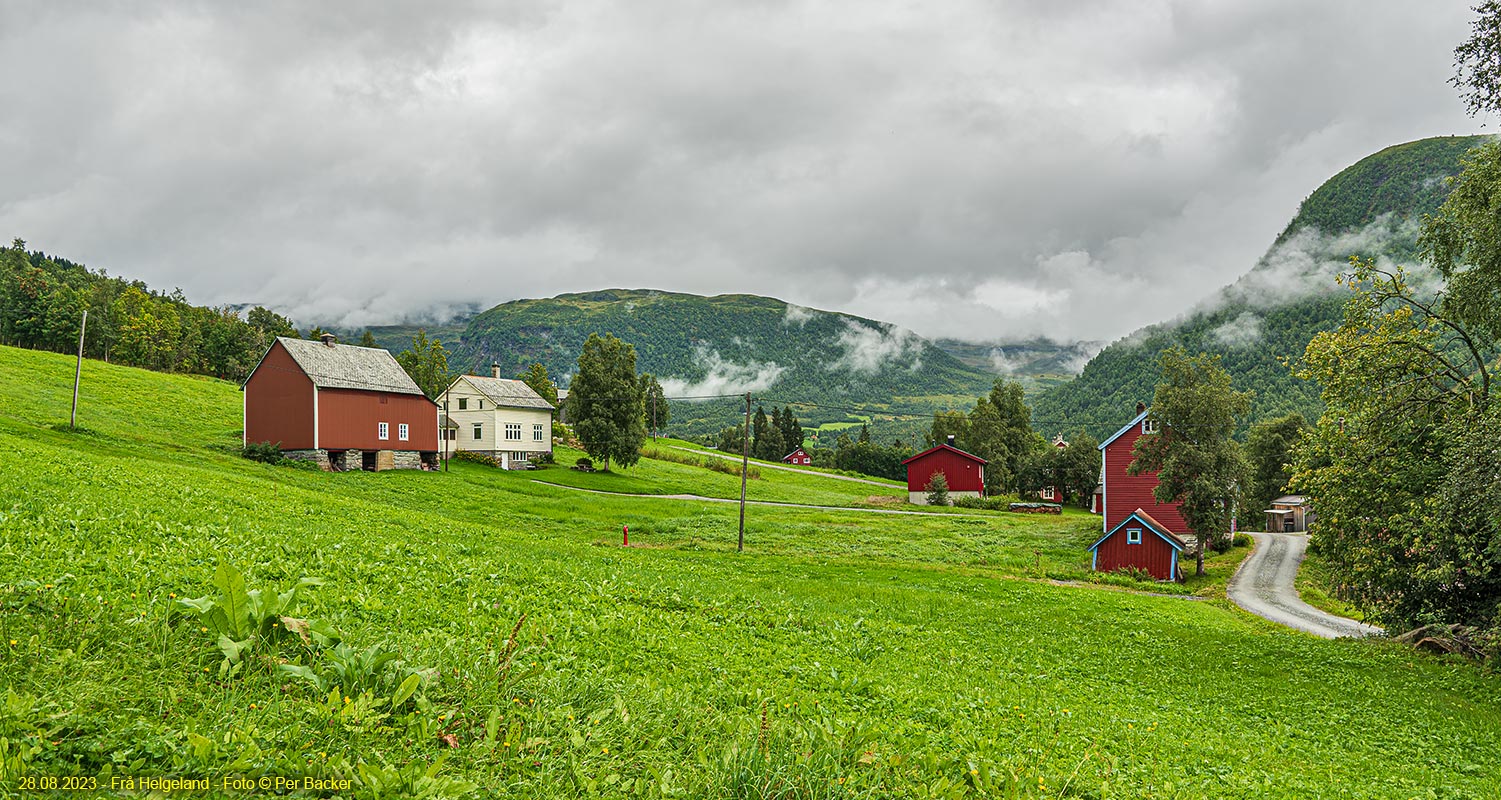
<point x="964" y="472"/>
<point x="340" y="406"/>
<point x="1122" y="494"/>
<point x="798" y="456"/>
<point x="1142" y="542"/>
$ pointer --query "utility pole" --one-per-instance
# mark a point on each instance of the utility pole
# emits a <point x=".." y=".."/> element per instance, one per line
<point x="447" y="421"/>
<point x="78" y="371"/>
<point x="744" y="469"/>
<point x="654" y="416"/>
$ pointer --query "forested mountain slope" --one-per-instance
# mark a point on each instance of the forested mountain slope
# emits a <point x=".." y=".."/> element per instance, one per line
<point x="1266" y="318"/>
<point x="728" y="344"/>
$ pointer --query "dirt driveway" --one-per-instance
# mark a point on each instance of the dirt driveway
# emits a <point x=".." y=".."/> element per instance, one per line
<point x="1264" y="586"/>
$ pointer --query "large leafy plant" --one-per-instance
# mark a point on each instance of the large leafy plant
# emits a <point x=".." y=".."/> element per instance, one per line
<point x="245" y="622"/>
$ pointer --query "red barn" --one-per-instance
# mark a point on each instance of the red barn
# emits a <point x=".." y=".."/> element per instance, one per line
<point x="1121" y="494"/>
<point x="341" y="406"/>
<point x="965" y="472"/>
<point x="1141" y="542"/>
<point x="798" y="456"/>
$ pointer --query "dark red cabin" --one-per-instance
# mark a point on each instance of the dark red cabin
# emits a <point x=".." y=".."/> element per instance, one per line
<point x="798" y="456"/>
<point x="1121" y="494"/>
<point x="343" y="406"/>
<point x="1142" y="542"/>
<point x="964" y="472"/>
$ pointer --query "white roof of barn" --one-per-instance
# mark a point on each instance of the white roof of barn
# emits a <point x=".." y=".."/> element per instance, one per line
<point x="507" y="393"/>
<point x="347" y="366"/>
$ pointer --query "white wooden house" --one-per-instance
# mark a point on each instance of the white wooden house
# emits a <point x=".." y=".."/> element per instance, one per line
<point x="501" y="418"/>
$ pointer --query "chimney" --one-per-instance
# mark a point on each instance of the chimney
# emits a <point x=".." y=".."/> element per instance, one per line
<point x="328" y="339"/>
<point x="950" y="440"/>
<point x="494" y="370"/>
<point x="1140" y="407"/>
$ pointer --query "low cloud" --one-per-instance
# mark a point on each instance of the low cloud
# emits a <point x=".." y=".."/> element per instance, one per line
<point x="1239" y="333"/>
<point x="722" y="377"/>
<point x="798" y="315"/>
<point x="1309" y="261"/>
<point x="869" y="349"/>
<point x="1000" y="363"/>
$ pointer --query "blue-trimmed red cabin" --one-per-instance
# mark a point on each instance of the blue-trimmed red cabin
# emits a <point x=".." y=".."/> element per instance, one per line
<point x="1141" y="542"/>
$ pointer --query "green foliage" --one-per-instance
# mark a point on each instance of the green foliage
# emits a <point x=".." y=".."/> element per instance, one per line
<point x="368" y="339"/>
<point x="1401" y="466"/>
<point x="1463" y="241"/>
<point x="998" y="429"/>
<point x="427" y="362"/>
<point x="869" y="458"/>
<point x="1269" y="450"/>
<point x="537" y="378"/>
<point x="1382" y="195"/>
<point x="937" y="489"/>
<point x="654" y="404"/>
<point x="1477" y="62"/>
<point x="247" y="623"/>
<point x="1074" y="470"/>
<point x="1198" y="465"/>
<point x="264" y="452"/>
<point x="709" y="462"/>
<point x="606" y="403"/>
<point x="474" y="457"/>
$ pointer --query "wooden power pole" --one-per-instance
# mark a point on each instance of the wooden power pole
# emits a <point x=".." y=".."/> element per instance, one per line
<point x="744" y="469"/>
<point x="78" y="370"/>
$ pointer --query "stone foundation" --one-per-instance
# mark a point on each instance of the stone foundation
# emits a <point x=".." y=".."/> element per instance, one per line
<point x="319" y="457"/>
<point x="406" y="459"/>
<point x="346" y="460"/>
<point x="921" y="498"/>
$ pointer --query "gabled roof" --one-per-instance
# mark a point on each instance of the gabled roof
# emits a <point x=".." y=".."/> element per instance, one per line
<point x="1178" y="543"/>
<point x="1118" y="434"/>
<point x="936" y="448"/>
<point x="1290" y="500"/>
<point x="347" y="366"/>
<point x="794" y="452"/>
<point x="506" y="393"/>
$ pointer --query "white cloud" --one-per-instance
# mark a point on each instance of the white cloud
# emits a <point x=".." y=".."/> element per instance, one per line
<point x="798" y="315"/>
<point x="867" y="350"/>
<point x="722" y="377"/>
<point x="980" y="169"/>
<point x="1239" y="333"/>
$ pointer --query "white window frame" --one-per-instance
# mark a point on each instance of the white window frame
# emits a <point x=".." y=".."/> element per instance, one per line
<point x="513" y="427"/>
<point x="1149" y="425"/>
<point x="479" y="431"/>
<point x="402" y="431"/>
<point x="538" y="433"/>
<point x="383" y="430"/>
<point x="1046" y="493"/>
<point x="1133" y="536"/>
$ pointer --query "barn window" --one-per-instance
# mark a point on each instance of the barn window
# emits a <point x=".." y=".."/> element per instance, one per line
<point x="463" y="404"/>
<point x="1133" y="536"/>
<point x="479" y="430"/>
<point x="384" y="399"/>
<point x="537" y="432"/>
<point x="513" y="431"/>
<point x="480" y="403"/>
<point x="401" y="431"/>
<point x="1047" y="493"/>
<point x="383" y="430"/>
<point x="1149" y="425"/>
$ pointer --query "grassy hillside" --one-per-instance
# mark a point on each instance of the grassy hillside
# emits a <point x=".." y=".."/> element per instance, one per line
<point x="727" y="344"/>
<point x="845" y="654"/>
<point x="1266" y="318"/>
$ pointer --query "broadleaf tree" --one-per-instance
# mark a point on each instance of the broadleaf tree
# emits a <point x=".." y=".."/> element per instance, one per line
<point x="427" y="362"/>
<point x="606" y="403"/>
<point x="1198" y="465"/>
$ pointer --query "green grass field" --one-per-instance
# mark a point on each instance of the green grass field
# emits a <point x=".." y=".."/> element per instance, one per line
<point x="845" y="654"/>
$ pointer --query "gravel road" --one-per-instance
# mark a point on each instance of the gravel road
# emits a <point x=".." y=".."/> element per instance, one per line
<point x="1264" y="586"/>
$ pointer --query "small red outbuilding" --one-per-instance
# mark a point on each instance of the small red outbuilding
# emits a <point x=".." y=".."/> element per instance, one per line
<point x="964" y="472"/>
<point x="798" y="456"/>
<point x="1141" y="542"/>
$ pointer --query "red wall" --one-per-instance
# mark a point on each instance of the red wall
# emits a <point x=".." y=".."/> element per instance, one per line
<point x="1126" y="493"/>
<point x="279" y="402"/>
<point x="963" y="474"/>
<point x="1153" y="554"/>
<point x="347" y="420"/>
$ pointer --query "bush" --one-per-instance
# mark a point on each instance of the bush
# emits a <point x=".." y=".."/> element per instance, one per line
<point x="937" y="489"/>
<point x="1243" y="540"/>
<point x="264" y="452"/>
<point x="476" y="458"/>
<point x="545" y="458"/>
<point x="714" y="463"/>
<point x="1221" y="544"/>
<point x="985" y="503"/>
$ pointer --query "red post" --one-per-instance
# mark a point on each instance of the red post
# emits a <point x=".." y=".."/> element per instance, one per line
<point x="625" y="536"/>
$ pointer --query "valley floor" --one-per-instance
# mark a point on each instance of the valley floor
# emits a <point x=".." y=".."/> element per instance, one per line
<point x="843" y="655"/>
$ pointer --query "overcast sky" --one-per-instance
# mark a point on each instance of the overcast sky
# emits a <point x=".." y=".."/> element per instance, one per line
<point x="973" y="169"/>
